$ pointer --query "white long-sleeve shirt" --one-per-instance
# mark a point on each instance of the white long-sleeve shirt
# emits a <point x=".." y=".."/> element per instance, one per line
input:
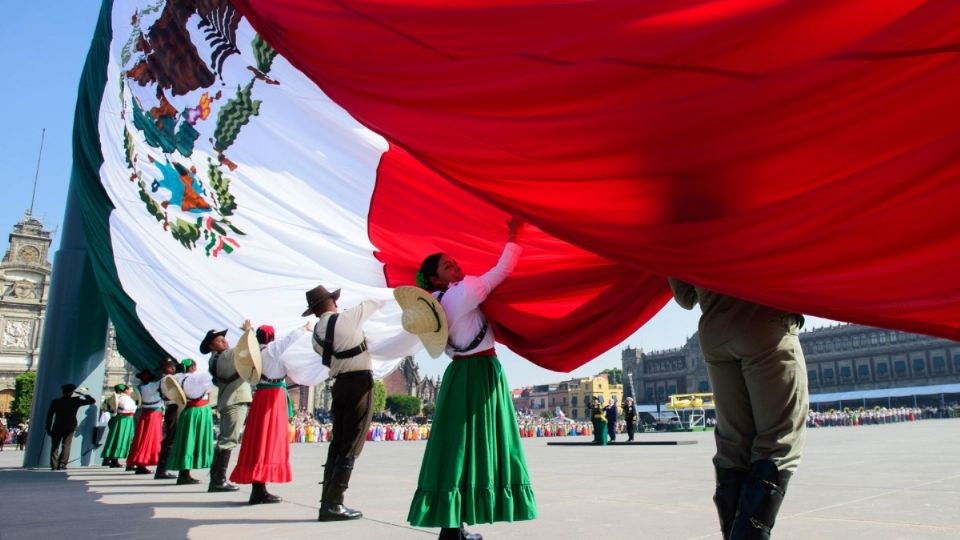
<point x="347" y="334"/>
<point x="461" y="302"/>
<point x="197" y="384"/>
<point x="150" y="395"/>
<point x="272" y="354"/>
<point x="126" y="404"/>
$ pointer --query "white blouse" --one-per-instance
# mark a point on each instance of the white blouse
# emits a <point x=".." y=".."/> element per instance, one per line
<point x="272" y="354"/>
<point x="461" y="302"/>
<point x="197" y="384"/>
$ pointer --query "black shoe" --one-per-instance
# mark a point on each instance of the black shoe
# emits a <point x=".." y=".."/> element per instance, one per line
<point x="164" y="475"/>
<point x="115" y="464"/>
<point x="337" y="512"/>
<point x="142" y="470"/>
<point x="130" y="467"/>
<point x="184" y="479"/>
<point x="222" y="487"/>
<point x="264" y="498"/>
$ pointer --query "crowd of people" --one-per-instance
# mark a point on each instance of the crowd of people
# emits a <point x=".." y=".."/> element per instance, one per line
<point x="13" y="433"/>
<point x="878" y="415"/>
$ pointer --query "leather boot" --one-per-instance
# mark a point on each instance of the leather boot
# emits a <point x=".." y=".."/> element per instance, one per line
<point x="163" y="474"/>
<point x="142" y="470"/>
<point x="115" y="463"/>
<point x="726" y="497"/>
<point x="184" y="479"/>
<point x="218" y="472"/>
<point x="331" y="506"/>
<point x="260" y="495"/>
<point x="760" y="500"/>
<point x="449" y="533"/>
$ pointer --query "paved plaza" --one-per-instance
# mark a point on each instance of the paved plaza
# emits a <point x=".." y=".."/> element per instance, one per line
<point x="890" y="481"/>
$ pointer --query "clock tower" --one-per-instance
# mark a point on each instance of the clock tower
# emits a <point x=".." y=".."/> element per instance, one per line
<point x="24" y="283"/>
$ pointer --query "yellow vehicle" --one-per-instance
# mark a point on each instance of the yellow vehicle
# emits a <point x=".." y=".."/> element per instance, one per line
<point x="690" y="409"/>
<point x="691" y="401"/>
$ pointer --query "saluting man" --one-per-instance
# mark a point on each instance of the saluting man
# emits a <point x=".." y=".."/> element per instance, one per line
<point x="233" y="402"/>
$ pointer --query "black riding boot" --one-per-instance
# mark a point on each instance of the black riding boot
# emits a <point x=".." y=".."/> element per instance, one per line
<point x="760" y="500"/>
<point x="331" y="504"/>
<point x="260" y="495"/>
<point x="218" y="472"/>
<point x="184" y="479"/>
<point x="162" y="473"/>
<point x="449" y="533"/>
<point x="727" y="497"/>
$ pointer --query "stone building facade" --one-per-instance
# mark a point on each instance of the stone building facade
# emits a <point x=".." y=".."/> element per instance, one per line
<point x="840" y="358"/>
<point x="405" y="380"/>
<point x="24" y="284"/>
<point x="25" y="273"/>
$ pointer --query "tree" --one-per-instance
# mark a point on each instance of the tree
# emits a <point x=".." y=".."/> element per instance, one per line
<point x="23" y="394"/>
<point x="403" y="405"/>
<point x="429" y="409"/>
<point x="614" y="375"/>
<point x="379" y="397"/>
<point x="546" y="415"/>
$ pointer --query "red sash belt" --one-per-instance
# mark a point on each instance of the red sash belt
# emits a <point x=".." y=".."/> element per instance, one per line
<point x="199" y="402"/>
<point x="125" y="414"/>
<point x="486" y="352"/>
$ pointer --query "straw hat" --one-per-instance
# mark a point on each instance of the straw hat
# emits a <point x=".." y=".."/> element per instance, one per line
<point x="424" y="317"/>
<point x="246" y="358"/>
<point x="173" y="391"/>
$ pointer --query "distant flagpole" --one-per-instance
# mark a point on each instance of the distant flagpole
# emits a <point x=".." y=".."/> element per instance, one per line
<point x="36" y="176"/>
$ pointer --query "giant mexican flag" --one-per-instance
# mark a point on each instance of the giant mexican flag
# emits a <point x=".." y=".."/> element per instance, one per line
<point x="795" y="153"/>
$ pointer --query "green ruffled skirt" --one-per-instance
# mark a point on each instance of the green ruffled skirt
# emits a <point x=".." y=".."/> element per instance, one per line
<point x="473" y="468"/>
<point x="192" y="446"/>
<point x="119" y="437"/>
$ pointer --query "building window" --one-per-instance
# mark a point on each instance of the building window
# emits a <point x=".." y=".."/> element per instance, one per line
<point x="661" y="392"/>
<point x="893" y="337"/>
<point x="919" y="365"/>
<point x="812" y="375"/>
<point x="574" y="413"/>
<point x="874" y="340"/>
<point x="939" y="365"/>
<point x="882" y="370"/>
<point x="863" y="371"/>
<point x="846" y="373"/>
<point x="956" y="361"/>
<point x="672" y="390"/>
<point x="828" y="374"/>
<point x="704" y="386"/>
<point x="573" y="401"/>
<point x="883" y="339"/>
<point x="900" y="368"/>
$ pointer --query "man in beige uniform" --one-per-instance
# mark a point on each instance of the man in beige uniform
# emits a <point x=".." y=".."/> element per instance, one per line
<point x="759" y="381"/>
<point x="339" y="339"/>
<point x="233" y="402"/>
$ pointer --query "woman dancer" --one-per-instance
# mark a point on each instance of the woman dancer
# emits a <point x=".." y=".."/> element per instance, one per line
<point x="264" y="450"/>
<point x="473" y="470"/>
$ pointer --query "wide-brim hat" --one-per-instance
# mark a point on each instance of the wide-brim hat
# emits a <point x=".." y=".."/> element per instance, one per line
<point x="423" y="316"/>
<point x="317" y="296"/>
<point x="172" y="390"/>
<point x="208" y="339"/>
<point x="246" y="358"/>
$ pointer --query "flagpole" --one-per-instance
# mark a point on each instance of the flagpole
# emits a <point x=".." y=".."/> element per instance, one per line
<point x="36" y="175"/>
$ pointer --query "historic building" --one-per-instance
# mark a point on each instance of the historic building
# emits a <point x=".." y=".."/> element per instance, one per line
<point x="839" y="358"/>
<point x="24" y="285"/>
<point x="405" y="380"/>
<point x="570" y="396"/>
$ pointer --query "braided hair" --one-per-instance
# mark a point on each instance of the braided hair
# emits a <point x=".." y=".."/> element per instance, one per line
<point x="428" y="269"/>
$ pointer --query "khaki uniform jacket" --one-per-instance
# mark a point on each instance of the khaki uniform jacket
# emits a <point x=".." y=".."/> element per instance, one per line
<point x="232" y="393"/>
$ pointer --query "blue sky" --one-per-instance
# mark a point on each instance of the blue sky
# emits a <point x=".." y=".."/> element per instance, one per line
<point x="46" y="44"/>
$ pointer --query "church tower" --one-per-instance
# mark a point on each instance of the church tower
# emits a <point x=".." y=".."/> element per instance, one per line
<point x="24" y="284"/>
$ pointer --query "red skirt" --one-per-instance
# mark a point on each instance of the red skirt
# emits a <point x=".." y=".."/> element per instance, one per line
<point x="145" y="449"/>
<point x="264" y="450"/>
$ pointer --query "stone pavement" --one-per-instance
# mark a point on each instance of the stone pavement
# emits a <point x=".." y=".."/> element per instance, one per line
<point x="892" y="481"/>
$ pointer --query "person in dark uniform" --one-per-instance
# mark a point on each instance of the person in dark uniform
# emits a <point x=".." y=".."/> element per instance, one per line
<point x="339" y="339"/>
<point x="630" y="417"/>
<point x="611" y="413"/>
<point x="62" y="422"/>
<point x="599" y="421"/>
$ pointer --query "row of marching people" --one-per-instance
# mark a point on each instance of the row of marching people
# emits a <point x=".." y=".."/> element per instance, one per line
<point x="318" y="433"/>
<point x="861" y="416"/>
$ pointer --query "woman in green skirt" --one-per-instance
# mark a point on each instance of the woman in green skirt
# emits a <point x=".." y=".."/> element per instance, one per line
<point x="473" y="468"/>
<point x="121" y="427"/>
<point x="193" y="444"/>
